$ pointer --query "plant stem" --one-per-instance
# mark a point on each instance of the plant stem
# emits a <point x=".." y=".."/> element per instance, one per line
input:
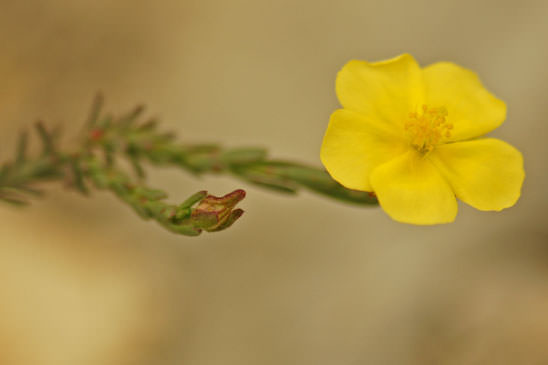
<point x="108" y="139"/>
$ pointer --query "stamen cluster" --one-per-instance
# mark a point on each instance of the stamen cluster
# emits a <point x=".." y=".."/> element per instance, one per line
<point x="428" y="128"/>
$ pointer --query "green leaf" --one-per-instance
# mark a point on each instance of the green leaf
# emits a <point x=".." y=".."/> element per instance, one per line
<point x="243" y="155"/>
<point x="95" y="110"/>
<point x="47" y="140"/>
<point x="193" y="199"/>
<point x="21" y="148"/>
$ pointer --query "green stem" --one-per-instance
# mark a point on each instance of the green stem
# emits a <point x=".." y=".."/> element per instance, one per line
<point x="77" y="170"/>
<point x="139" y="142"/>
<point x="252" y="165"/>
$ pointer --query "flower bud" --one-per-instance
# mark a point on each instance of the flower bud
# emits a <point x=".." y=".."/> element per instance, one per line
<point x="217" y="213"/>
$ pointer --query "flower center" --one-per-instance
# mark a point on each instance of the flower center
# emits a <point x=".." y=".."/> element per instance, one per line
<point x="427" y="128"/>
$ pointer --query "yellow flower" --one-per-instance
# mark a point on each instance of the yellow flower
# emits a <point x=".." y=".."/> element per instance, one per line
<point x="409" y="135"/>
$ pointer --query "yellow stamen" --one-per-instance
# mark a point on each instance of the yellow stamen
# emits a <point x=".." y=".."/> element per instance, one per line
<point x="428" y="128"/>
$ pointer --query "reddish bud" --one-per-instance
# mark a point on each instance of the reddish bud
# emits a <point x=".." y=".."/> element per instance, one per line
<point x="96" y="134"/>
<point x="215" y="213"/>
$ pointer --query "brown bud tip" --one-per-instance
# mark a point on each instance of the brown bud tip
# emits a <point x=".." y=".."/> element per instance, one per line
<point x="228" y="201"/>
<point x="238" y="194"/>
<point x="237" y="213"/>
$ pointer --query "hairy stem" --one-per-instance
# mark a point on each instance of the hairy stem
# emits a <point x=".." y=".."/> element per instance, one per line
<point x="107" y="139"/>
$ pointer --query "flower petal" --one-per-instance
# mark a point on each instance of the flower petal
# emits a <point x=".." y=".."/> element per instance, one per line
<point x="472" y="110"/>
<point x="387" y="90"/>
<point x="485" y="173"/>
<point x="411" y="190"/>
<point x="353" y="146"/>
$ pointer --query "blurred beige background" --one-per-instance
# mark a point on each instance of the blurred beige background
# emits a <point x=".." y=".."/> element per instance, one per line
<point x="298" y="280"/>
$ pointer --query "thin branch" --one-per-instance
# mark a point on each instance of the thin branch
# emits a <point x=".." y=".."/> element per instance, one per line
<point x="107" y="139"/>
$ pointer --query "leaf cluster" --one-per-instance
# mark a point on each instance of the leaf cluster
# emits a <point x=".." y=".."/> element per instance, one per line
<point x="108" y="139"/>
